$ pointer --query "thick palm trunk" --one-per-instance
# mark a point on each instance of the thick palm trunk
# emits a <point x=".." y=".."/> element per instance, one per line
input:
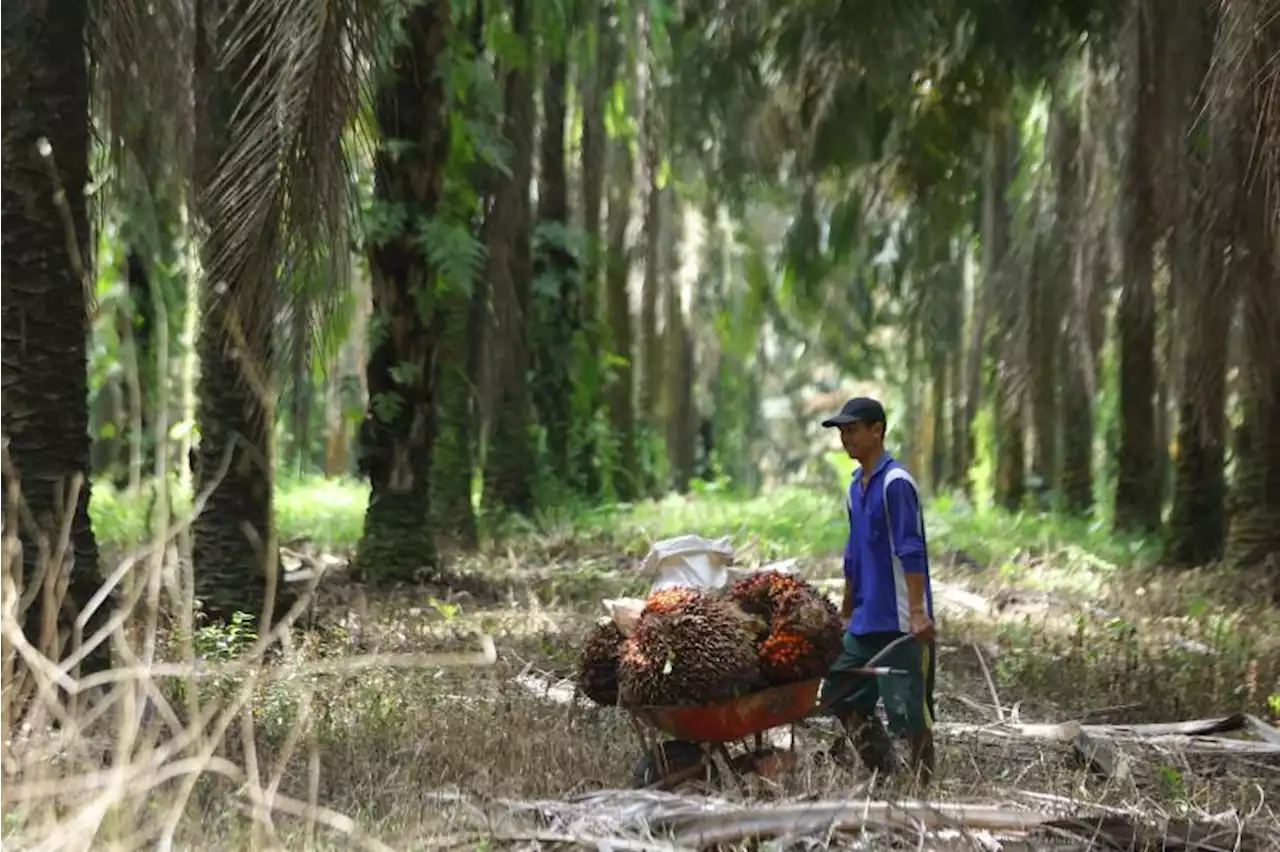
<point x="944" y="318"/>
<point x="509" y="462"/>
<point x="461" y="328"/>
<point x="618" y="301"/>
<point x="995" y="185"/>
<point x="1002" y="287"/>
<point x="558" y="299"/>
<point x="1084" y="326"/>
<point x="400" y="427"/>
<point x="1047" y="289"/>
<point x="234" y="459"/>
<point x="1250" y="36"/>
<point x="44" y="327"/>
<point x="235" y="406"/>
<point x="453" y="517"/>
<point x="1198" y="242"/>
<point x="1253" y="535"/>
<point x="597" y="79"/>
<point x="1137" y="499"/>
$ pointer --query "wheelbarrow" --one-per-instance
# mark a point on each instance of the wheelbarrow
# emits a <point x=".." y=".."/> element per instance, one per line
<point x="698" y="733"/>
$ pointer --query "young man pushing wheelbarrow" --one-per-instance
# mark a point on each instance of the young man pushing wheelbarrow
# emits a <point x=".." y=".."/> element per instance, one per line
<point x="887" y="600"/>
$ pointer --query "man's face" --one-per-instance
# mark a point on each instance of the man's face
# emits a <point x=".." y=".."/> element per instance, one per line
<point x="859" y="439"/>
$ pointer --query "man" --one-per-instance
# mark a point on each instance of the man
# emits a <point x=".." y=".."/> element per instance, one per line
<point x="887" y="596"/>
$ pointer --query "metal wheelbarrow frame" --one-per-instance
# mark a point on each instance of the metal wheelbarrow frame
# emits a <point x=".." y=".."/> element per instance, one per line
<point x="699" y="732"/>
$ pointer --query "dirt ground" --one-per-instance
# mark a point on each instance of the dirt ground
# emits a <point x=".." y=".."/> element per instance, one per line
<point x="512" y="731"/>
<point x="463" y="756"/>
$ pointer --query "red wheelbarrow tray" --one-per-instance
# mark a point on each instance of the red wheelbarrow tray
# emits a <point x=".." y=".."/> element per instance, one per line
<point x="736" y="718"/>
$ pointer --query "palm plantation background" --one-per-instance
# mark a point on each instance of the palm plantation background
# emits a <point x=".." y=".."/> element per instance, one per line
<point x="485" y="266"/>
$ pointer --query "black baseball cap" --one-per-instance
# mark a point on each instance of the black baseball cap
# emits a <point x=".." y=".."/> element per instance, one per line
<point x="861" y="408"/>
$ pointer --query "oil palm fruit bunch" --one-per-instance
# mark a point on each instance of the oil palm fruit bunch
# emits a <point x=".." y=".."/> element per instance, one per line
<point x="669" y="599"/>
<point x="698" y="649"/>
<point x="756" y="594"/>
<point x="805" y="611"/>
<point x="598" y="663"/>
<point x="787" y="657"/>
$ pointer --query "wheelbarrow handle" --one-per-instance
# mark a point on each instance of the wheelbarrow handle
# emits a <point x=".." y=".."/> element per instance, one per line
<point x="878" y="671"/>
<point x="869" y="670"/>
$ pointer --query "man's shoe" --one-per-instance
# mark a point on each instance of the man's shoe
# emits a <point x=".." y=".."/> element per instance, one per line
<point x="873" y="745"/>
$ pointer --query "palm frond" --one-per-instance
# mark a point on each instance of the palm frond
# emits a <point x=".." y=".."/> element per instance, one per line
<point x="141" y="61"/>
<point x="282" y="193"/>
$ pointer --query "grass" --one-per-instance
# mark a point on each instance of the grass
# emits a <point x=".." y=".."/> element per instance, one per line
<point x="1083" y="624"/>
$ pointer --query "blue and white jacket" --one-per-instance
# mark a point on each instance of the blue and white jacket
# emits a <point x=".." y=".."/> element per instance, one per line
<point x="886" y="543"/>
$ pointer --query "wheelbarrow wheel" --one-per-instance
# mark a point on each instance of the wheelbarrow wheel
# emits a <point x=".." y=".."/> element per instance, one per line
<point x="675" y="755"/>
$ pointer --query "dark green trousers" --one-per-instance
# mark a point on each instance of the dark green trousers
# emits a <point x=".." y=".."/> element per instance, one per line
<point x="908" y="699"/>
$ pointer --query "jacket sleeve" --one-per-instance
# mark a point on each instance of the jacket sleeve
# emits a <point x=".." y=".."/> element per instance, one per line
<point x="906" y="526"/>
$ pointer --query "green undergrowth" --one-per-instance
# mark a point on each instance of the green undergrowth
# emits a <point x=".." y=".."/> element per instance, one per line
<point x="377" y="737"/>
<point x="791" y="521"/>
<point x="328" y="512"/>
<point x="573" y="553"/>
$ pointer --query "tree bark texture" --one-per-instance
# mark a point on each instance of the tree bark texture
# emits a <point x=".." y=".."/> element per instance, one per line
<point x="679" y="354"/>
<point x="399" y="430"/>
<point x="618" y="302"/>
<point x="44" y="303"/>
<point x="1253" y="533"/>
<point x="1205" y="297"/>
<point x="1137" y="498"/>
<point x="649" y="386"/>
<point x="453" y="517"/>
<point x="509" y="462"/>
<point x="1000" y="281"/>
<point x="235" y="406"/>
<point x="597" y="81"/>
<point x="558" y="292"/>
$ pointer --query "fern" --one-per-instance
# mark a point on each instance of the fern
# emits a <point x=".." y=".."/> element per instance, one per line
<point x="453" y="252"/>
<point x="554" y="235"/>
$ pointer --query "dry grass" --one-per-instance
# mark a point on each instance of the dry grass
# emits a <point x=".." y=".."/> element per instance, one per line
<point x="351" y="726"/>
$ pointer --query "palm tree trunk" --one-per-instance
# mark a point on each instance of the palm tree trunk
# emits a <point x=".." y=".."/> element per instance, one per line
<point x="1002" y="287"/>
<point x="44" y="302"/>
<point x="1137" y="499"/>
<point x="235" y="407"/>
<point x="399" y="429"/>
<point x="453" y="517"/>
<point x="1197" y="522"/>
<point x="623" y="476"/>
<point x="938" y="451"/>
<point x="509" y="462"/>
<point x="679" y="354"/>
<point x="558" y="313"/>
<point x="1253" y="535"/>
<point x="996" y="181"/>
<point x="1048" y="287"/>
<point x="235" y="414"/>
<point x="649" y="387"/>
<point x="1079" y="387"/>
<point x="463" y="340"/>
<point x="957" y="463"/>
<point x="597" y="79"/>
<point x="1249" y="40"/>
